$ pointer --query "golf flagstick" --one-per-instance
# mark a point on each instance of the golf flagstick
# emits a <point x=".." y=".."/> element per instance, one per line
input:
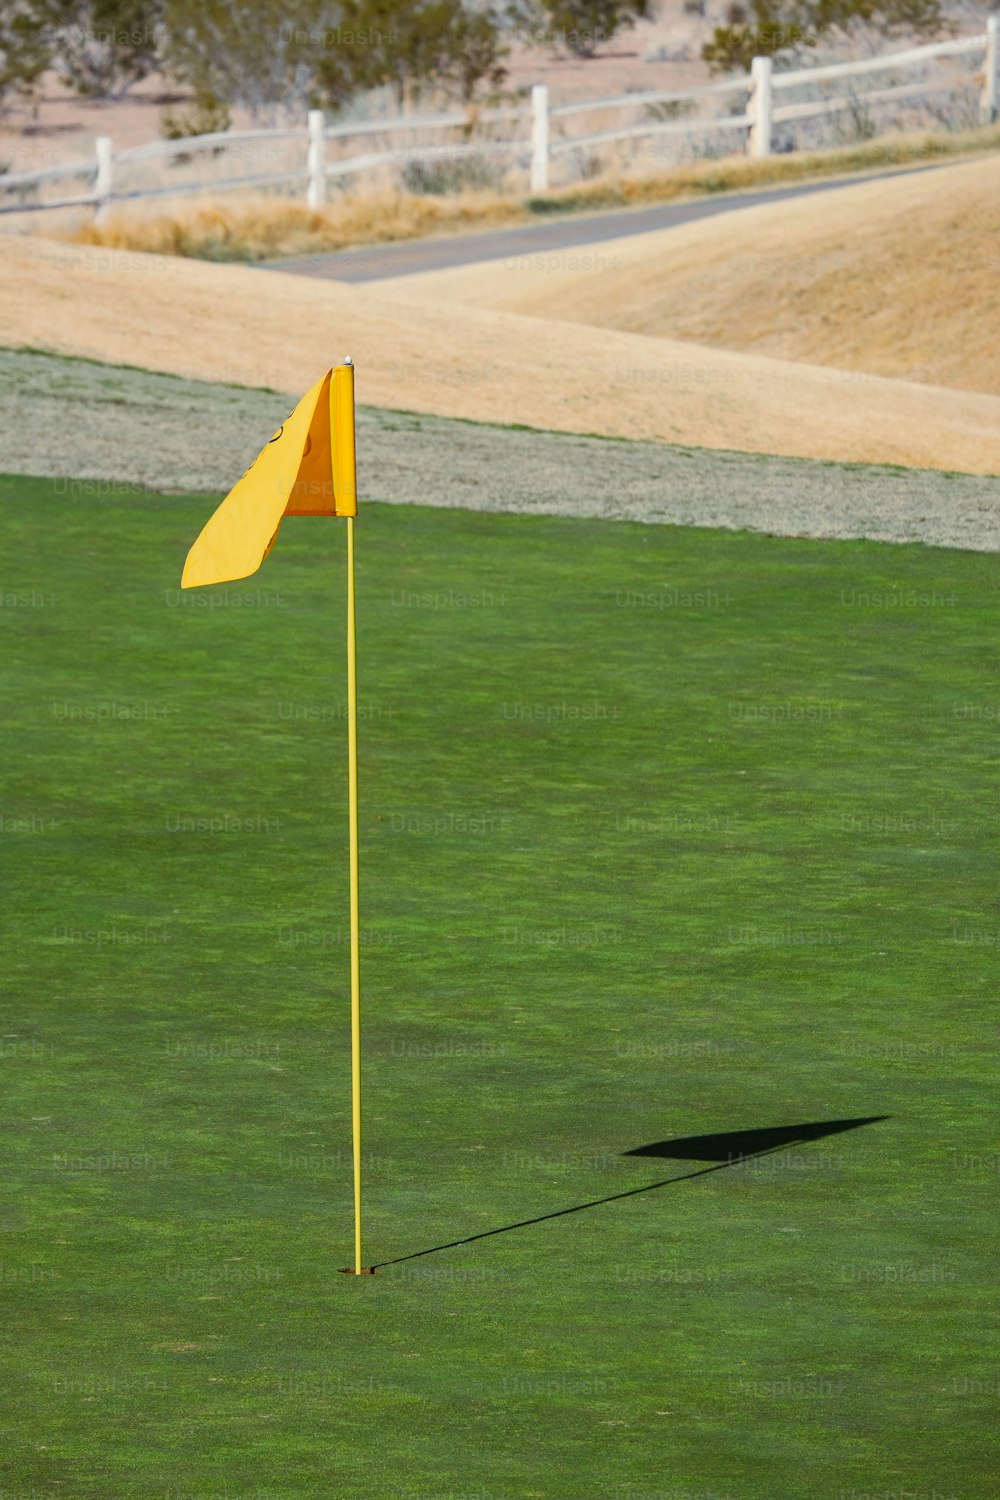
<point x="308" y="468"/>
<point x="345" y="484"/>
<point x="352" y="782"/>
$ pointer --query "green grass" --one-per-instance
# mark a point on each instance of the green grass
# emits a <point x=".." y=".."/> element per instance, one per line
<point x="721" y="858"/>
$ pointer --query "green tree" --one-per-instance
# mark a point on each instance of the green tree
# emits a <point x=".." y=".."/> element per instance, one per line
<point x="278" y="56"/>
<point x="769" y="28"/>
<point x="101" y="48"/>
<point x="25" y="48"/>
<point x="409" y="47"/>
<point x="581" y="26"/>
<point x="260" y="54"/>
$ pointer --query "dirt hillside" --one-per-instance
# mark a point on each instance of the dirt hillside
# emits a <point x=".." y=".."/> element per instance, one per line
<point x="262" y="328"/>
<point x="895" y="278"/>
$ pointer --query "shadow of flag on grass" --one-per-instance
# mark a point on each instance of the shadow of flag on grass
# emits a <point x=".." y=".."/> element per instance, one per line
<point x="724" y="1149"/>
<point x="733" y="1145"/>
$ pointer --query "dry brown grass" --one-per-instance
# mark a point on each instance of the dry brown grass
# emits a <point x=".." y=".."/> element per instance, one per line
<point x="238" y="324"/>
<point x="733" y="174"/>
<point x="894" y="278"/>
<point x="264" y="228"/>
<point x="259" y="228"/>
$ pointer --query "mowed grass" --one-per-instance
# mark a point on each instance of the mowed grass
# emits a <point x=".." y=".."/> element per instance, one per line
<point x="664" y="832"/>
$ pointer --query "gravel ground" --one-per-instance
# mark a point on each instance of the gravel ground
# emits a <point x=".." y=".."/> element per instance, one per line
<point x="75" y="419"/>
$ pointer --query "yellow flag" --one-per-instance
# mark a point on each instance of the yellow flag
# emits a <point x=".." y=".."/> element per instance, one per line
<point x="307" y="469"/>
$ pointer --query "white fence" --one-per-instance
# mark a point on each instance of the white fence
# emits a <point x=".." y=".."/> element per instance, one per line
<point x="335" y="153"/>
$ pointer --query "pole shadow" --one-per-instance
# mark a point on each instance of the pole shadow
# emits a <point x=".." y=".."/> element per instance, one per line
<point x="724" y="1149"/>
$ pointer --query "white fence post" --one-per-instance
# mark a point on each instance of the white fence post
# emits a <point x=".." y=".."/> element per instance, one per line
<point x="990" y="96"/>
<point x="760" y="106"/>
<point x="759" y="115"/>
<point x="539" y="138"/>
<point x="104" y="180"/>
<point x="316" y="191"/>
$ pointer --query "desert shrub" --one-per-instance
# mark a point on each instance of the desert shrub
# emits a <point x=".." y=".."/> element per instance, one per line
<point x="440" y="175"/>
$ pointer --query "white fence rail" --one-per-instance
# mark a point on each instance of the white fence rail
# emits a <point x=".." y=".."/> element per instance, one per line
<point x="544" y="141"/>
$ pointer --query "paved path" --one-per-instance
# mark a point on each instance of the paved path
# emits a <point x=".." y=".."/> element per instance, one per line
<point x="379" y="262"/>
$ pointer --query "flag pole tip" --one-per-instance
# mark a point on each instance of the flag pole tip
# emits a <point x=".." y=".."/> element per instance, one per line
<point x="348" y="360"/>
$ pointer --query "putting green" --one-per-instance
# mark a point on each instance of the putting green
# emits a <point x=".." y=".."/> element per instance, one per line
<point x="665" y="833"/>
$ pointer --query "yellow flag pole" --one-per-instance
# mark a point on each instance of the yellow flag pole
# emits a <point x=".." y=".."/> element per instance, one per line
<point x="352" y="780"/>
<point x="345" y="497"/>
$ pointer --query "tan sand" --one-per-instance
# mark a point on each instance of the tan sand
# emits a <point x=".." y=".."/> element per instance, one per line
<point x="895" y="278"/>
<point x="262" y="328"/>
